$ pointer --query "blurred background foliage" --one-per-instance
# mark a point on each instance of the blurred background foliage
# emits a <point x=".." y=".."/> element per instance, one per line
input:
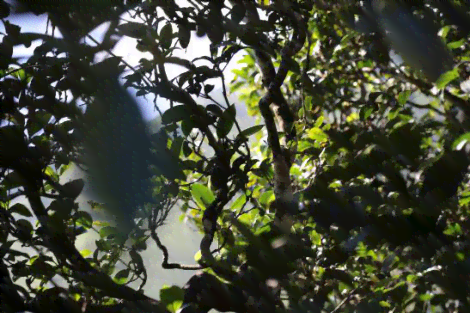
<point x="378" y="163"/>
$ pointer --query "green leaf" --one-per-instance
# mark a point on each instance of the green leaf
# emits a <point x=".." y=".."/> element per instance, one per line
<point x="354" y="116"/>
<point x="266" y="197"/>
<point x="453" y="229"/>
<point x="460" y="142"/>
<point x="83" y="219"/>
<point x="175" y="114"/>
<point x="250" y="131"/>
<point x="108" y="231"/>
<point x="319" y="121"/>
<point x="456" y="44"/>
<point x="100" y="223"/>
<point x="184" y="36"/>
<point x="198" y="256"/>
<point x="50" y="172"/>
<point x="317" y="134"/>
<point x="20" y="209"/>
<point x="239" y="202"/>
<point x="464" y="201"/>
<point x="365" y="63"/>
<point x="85" y="252"/>
<point x="316" y="238"/>
<point x="103" y="245"/>
<point x="446" y="78"/>
<point x="202" y="195"/>
<point x="172" y="297"/>
<point x="444" y="31"/>
<point x="122" y="276"/>
<point x="404" y="96"/>
<point x="411" y="278"/>
<point x="385" y="304"/>
<point x="365" y="113"/>
<point x="64" y="167"/>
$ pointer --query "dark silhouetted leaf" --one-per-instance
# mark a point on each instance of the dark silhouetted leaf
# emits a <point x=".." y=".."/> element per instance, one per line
<point x="166" y="36"/>
<point x="226" y="121"/>
<point x="184" y="36"/>
<point x="175" y="114"/>
<point x="208" y="88"/>
<point x="250" y="131"/>
<point x="20" y="209"/>
<point x="133" y="30"/>
<point x="238" y="13"/>
<point x="74" y="188"/>
<point x="4" y="9"/>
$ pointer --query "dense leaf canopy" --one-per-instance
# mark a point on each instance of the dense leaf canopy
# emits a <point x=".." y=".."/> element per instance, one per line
<point x="350" y="194"/>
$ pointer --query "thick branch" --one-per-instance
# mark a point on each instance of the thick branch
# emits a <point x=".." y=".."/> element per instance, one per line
<point x="274" y="100"/>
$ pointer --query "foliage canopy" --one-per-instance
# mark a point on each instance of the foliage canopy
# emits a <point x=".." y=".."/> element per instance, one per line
<point x="351" y="196"/>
